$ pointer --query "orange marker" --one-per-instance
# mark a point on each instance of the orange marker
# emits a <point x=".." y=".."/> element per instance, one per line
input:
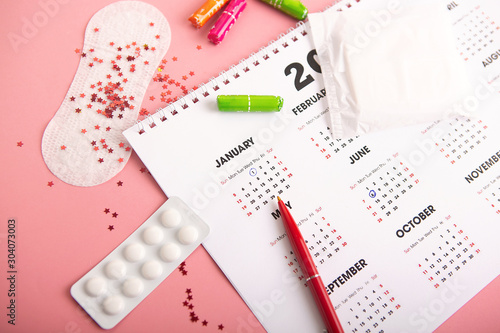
<point x="206" y="11"/>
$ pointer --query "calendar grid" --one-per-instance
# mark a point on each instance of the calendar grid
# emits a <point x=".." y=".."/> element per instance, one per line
<point x="265" y="180"/>
<point x="463" y="136"/>
<point x="479" y="31"/>
<point x="386" y="186"/>
<point x="454" y="250"/>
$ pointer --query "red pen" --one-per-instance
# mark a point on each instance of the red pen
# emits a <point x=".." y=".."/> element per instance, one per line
<point x="310" y="271"/>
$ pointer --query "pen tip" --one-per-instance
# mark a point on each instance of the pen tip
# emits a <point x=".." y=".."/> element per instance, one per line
<point x="279" y="199"/>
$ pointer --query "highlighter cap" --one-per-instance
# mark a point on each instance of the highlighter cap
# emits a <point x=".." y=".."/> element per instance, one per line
<point x="294" y="8"/>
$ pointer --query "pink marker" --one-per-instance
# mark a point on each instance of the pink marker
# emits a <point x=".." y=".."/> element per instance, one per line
<point x="226" y="20"/>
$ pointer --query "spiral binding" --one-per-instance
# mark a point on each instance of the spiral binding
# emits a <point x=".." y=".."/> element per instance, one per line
<point x="235" y="71"/>
<point x="162" y="115"/>
<point x="194" y="97"/>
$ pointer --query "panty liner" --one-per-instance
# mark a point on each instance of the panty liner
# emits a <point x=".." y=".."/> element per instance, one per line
<point x="124" y="42"/>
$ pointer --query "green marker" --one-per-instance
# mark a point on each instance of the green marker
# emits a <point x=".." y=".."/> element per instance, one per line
<point x="250" y="103"/>
<point x="294" y="8"/>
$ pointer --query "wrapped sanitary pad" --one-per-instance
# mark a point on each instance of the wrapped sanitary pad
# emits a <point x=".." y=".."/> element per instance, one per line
<point x="390" y="67"/>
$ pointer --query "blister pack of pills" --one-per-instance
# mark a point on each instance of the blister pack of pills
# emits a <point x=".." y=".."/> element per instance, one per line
<point x="116" y="285"/>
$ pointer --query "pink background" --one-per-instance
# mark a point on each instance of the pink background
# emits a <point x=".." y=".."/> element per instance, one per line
<point x="62" y="230"/>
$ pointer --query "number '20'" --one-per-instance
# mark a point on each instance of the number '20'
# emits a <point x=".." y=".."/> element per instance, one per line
<point x="301" y="82"/>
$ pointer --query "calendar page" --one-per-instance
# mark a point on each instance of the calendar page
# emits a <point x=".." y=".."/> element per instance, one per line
<point x="400" y="223"/>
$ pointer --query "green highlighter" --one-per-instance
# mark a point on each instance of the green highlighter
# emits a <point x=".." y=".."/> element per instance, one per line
<point x="249" y="103"/>
<point x="294" y="8"/>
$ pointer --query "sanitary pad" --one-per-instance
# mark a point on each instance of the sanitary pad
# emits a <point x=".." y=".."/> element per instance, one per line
<point x="83" y="144"/>
<point x="389" y="67"/>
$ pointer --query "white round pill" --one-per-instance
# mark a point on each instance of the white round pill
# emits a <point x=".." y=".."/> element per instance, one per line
<point x="187" y="235"/>
<point x="151" y="269"/>
<point x="133" y="287"/>
<point x="134" y="252"/>
<point x="171" y="218"/>
<point x="95" y="286"/>
<point x="113" y="304"/>
<point x="152" y="235"/>
<point x="115" y="269"/>
<point x="170" y="252"/>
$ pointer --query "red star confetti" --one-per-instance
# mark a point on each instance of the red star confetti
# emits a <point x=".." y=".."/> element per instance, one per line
<point x="198" y="47"/>
<point x="115" y="215"/>
<point x="221" y="327"/>
<point x="111" y="227"/>
<point x="63" y="147"/>
<point x="96" y="29"/>
<point x="20" y="143"/>
<point x="193" y="317"/>
<point x="183" y="271"/>
<point x="119" y="183"/>
<point x="77" y="51"/>
<point x="50" y="184"/>
<point x="106" y="210"/>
